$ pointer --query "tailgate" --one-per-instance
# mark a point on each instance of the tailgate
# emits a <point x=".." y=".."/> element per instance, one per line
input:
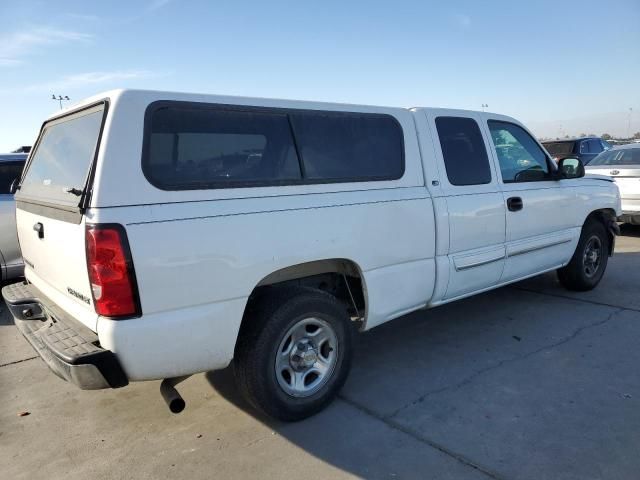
<point x="50" y="210"/>
<point x="56" y="263"/>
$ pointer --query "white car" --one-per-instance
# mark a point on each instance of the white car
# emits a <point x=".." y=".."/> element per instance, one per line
<point x="622" y="164"/>
<point x="166" y="234"/>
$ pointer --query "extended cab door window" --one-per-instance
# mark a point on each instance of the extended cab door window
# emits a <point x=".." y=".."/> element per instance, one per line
<point x="520" y="157"/>
<point x="465" y="156"/>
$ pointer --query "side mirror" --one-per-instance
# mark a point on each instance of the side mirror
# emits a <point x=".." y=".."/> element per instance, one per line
<point x="570" y="168"/>
<point x="15" y="186"/>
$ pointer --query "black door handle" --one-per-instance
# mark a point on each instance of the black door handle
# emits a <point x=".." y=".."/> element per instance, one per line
<point x="38" y="227"/>
<point x="514" y="204"/>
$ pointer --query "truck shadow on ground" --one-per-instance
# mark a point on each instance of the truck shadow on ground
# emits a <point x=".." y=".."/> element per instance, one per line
<point x="402" y="368"/>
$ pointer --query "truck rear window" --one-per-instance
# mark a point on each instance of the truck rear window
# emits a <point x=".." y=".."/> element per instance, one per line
<point x="559" y="148"/>
<point x="199" y="146"/>
<point x="59" y="166"/>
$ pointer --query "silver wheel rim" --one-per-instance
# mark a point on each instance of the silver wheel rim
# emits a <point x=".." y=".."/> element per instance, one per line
<point x="306" y="357"/>
<point x="592" y="256"/>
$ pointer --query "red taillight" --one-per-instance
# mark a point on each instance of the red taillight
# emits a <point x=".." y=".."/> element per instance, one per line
<point x="111" y="274"/>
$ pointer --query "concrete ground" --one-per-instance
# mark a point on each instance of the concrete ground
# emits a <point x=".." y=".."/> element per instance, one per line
<point x="526" y="382"/>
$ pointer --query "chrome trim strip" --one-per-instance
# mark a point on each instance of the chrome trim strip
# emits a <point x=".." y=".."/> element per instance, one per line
<point x="537" y="247"/>
<point x="479" y="263"/>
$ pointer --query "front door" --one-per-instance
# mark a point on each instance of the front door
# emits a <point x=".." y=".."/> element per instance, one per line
<point x="540" y="211"/>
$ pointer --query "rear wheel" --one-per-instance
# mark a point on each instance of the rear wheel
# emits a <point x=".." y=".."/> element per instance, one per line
<point x="589" y="261"/>
<point x="294" y="352"/>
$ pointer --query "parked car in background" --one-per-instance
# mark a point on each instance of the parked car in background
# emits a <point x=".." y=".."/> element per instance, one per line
<point x="622" y="164"/>
<point x="166" y="234"/>
<point x="22" y="149"/>
<point x="584" y="148"/>
<point x="11" y="266"/>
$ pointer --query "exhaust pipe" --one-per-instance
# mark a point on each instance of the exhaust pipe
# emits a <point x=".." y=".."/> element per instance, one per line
<point x="171" y="396"/>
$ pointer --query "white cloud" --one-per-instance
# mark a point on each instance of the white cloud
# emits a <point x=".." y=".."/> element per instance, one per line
<point x="79" y="80"/>
<point x="9" y="62"/>
<point x="82" y="17"/>
<point x="17" y="45"/>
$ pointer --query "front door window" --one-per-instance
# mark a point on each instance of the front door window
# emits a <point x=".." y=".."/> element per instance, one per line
<point x="521" y="158"/>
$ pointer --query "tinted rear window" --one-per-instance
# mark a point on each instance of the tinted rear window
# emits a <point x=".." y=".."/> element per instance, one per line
<point x="198" y="146"/>
<point x="463" y="150"/>
<point x="63" y="157"/>
<point x="9" y="171"/>
<point x="559" y="148"/>
<point x="203" y="148"/>
<point x="349" y="146"/>
<point x="626" y="156"/>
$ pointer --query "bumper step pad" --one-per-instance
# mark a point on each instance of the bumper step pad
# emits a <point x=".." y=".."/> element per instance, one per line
<point x="69" y="348"/>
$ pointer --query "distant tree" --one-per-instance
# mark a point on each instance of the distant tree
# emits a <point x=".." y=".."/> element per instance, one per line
<point x="567" y="136"/>
<point x="583" y="134"/>
<point x="606" y="136"/>
<point x="636" y="135"/>
<point x="592" y="134"/>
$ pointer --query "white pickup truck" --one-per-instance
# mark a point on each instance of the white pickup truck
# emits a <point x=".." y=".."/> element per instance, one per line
<point x="166" y="234"/>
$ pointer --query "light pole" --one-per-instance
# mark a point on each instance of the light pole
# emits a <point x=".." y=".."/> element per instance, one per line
<point x="484" y="105"/>
<point x="629" y="123"/>
<point x="60" y="99"/>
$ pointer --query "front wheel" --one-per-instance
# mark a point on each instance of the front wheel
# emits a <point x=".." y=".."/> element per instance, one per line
<point x="294" y="352"/>
<point x="589" y="261"/>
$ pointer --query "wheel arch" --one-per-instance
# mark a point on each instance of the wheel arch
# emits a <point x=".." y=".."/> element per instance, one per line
<point x="606" y="216"/>
<point x="341" y="277"/>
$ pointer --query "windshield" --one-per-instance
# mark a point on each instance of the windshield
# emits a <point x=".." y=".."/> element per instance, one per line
<point x="559" y="148"/>
<point x="59" y="166"/>
<point x="627" y="156"/>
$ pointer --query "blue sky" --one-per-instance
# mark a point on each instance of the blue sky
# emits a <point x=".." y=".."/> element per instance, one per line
<point x="562" y="67"/>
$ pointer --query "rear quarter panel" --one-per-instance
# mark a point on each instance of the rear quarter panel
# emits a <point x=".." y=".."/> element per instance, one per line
<point x="196" y="265"/>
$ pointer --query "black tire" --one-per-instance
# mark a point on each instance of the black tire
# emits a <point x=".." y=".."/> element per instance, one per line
<point x="580" y="274"/>
<point x="268" y="319"/>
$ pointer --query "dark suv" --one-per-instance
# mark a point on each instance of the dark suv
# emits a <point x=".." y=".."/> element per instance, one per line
<point x="584" y="148"/>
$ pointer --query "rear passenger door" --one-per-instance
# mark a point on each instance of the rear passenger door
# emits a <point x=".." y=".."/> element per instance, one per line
<point x="541" y="212"/>
<point x="474" y="204"/>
